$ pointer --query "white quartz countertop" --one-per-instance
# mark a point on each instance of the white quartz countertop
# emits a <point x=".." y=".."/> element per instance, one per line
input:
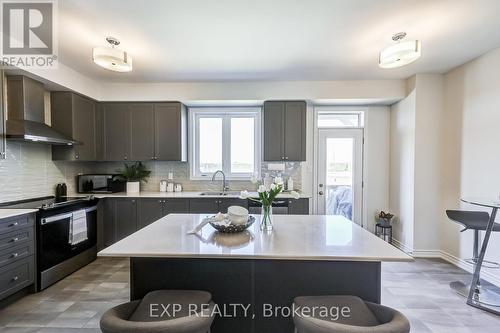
<point x="8" y="212"/>
<point x="295" y="237"/>
<point x="183" y="194"/>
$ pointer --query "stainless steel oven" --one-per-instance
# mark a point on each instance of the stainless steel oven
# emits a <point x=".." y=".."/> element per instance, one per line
<point x="56" y="256"/>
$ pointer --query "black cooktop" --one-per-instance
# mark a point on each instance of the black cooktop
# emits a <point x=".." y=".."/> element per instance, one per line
<point x="44" y="202"/>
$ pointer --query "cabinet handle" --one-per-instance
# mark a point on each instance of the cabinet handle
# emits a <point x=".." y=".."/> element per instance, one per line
<point x="152" y="157"/>
<point x="286" y="157"/>
<point x="15" y="278"/>
<point x="160" y="201"/>
<point x="15" y="239"/>
<point x="125" y="157"/>
<point x="76" y="156"/>
<point x="14" y="255"/>
<point x="14" y="224"/>
<point x="289" y="201"/>
<point x="133" y="201"/>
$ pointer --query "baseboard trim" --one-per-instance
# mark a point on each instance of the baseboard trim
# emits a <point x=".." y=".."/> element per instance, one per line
<point x="461" y="263"/>
<point x="403" y="247"/>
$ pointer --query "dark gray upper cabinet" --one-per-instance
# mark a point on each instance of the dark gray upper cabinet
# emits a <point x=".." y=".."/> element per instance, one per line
<point x="74" y="116"/>
<point x="285" y="131"/>
<point x="274" y="114"/>
<point x="170" y="131"/>
<point x="145" y="131"/>
<point x="142" y="147"/>
<point x="117" y="130"/>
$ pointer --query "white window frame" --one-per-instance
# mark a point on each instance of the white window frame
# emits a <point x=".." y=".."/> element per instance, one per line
<point x="340" y="110"/>
<point x="226" y="114"/>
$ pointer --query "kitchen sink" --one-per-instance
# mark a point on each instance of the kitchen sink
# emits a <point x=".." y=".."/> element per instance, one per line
<point x="219" y="193"/>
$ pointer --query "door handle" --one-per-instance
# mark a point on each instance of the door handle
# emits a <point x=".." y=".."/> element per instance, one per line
<point x="320" y="192"/>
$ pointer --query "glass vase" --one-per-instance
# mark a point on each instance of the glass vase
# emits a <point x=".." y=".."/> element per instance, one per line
<point x="266" y="223"/>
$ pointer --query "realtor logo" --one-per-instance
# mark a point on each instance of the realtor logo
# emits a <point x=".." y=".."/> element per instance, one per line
<point x="28" y="33"/>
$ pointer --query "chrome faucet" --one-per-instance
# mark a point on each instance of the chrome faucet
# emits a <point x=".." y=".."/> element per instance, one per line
<point x="225" y="186"/>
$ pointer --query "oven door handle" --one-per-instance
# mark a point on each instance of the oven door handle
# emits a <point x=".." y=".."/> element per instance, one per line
<point x="63" y="216"/>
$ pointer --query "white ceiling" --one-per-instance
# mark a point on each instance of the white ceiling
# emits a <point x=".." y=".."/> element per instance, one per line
<point x="172" y="40"/>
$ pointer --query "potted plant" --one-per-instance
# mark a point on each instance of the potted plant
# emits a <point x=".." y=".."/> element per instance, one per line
<point x="385" y="218"/>
<point x="134" y="174"/>
<point x="266" y="198"/>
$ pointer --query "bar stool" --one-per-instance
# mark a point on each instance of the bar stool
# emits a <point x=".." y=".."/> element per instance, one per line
<point x="364" y="317"/>
<point x="477" y="221"/>
<point x="162" y="311"/>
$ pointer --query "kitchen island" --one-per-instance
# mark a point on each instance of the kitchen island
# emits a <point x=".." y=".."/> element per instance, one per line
<point x="304" y="255"/>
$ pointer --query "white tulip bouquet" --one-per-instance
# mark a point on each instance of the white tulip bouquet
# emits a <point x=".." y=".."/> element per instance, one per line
<point x="267" y="194"/>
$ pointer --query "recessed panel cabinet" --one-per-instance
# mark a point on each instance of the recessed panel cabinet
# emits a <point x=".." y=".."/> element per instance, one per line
<point x="145" y="131"/>
<point x="75" y="116"/>
<point x="284" y="131"/>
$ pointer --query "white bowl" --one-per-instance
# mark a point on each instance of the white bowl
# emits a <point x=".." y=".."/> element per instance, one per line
<point x="237" y="211"/>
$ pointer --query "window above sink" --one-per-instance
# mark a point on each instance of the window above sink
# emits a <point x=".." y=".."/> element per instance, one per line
<point x="226" y="139"/>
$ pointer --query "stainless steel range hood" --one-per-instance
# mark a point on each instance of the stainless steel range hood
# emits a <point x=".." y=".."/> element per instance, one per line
<point x="25" y="113"/>
<point x="33" y="131"/>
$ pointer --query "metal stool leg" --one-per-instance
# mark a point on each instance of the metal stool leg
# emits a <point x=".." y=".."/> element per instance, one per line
<point x="484" y="295"/>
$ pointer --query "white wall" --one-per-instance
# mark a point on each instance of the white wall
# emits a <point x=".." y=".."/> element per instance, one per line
<point x="376" y="163"/>
<point x="402" y="169"/>
<point x="428" y="132"/>
<point x="471" y="146"/>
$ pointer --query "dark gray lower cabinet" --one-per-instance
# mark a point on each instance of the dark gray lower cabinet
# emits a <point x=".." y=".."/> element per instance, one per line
<point x="298" y="207"/>
<point x="148" y="211"/>
<point x="17" y="254"/>
<point x="205" y="205"/>
<point x="119" y="219"/>
<point x="214" y="205"/>
<point x="123" y="216"/>
<point x="151" y="210"/>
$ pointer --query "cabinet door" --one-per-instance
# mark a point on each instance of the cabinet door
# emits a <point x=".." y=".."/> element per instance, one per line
<point x="99" y="135"/>
<point x="108" y="223"/>
<point x="116" y="131"/>
<point x="149" y="211"/>
<point x="226" y="203"/>
<point x="84" y="130"/>
<point x="125" y="217"/>
<point x="142" y="132"/>
<point x="175" y="206"/>
<point x="273" y="131"/>
<point x="202" y="206"/>
<point x="295" y="131"/>
<point x="170" y="132"/>
<point x="298" y="207"/>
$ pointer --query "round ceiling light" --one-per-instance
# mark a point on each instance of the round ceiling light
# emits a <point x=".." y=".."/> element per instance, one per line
<point x="112" y="58"/>
<point x="400" y="54"/>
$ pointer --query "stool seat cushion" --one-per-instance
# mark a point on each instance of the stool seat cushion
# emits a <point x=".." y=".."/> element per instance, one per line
<point x="475" y="220"/>
<point x="363" y="317"/>
<point x="360" y="314"/>
<point x="170" y="304"/>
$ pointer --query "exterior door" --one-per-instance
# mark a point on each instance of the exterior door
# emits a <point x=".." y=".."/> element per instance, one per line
<point x="340" y="174"/>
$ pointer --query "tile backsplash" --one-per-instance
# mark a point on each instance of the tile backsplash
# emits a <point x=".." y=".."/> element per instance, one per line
<point x="160" y="170"/>
<point x="28" y="171"/>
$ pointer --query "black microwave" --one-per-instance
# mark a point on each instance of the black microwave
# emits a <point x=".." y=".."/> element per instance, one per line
<point x="99" y="183"/>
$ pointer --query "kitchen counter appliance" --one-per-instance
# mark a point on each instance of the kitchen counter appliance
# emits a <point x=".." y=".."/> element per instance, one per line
<point x="56" y="256"/>
<point x="99" y="183"/>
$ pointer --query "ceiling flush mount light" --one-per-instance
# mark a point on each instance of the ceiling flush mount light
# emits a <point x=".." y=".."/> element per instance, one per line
<point x="400" y="54"/>
<point x="112" y="58"/>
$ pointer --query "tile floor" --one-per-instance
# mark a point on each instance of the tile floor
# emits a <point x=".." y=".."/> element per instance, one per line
<point x="75" y="304"/>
